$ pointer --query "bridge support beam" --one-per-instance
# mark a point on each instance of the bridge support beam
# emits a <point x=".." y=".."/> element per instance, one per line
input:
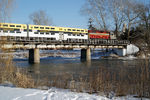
<point x="86" y="54"/>
<point x="34" y="56"/>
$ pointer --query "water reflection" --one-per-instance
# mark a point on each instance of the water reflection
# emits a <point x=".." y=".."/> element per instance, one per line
<point x="52" y="66"/>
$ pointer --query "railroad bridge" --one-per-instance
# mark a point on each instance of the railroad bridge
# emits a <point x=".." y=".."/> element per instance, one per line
<point x="34" y="45"/>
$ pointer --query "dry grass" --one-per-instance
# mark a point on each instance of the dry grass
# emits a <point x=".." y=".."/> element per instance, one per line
<point x="121" y="81"/>
<point x="124" y="81"/>
<point x="16" y="76"/>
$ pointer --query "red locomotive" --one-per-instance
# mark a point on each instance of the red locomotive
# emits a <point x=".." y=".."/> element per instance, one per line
<point x="95" y="34"/>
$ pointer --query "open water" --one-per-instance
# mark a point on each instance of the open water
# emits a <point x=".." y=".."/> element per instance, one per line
<point x="56" y="66"/>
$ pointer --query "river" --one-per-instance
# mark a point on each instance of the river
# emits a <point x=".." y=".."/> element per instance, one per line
<point x="58" y="65"/>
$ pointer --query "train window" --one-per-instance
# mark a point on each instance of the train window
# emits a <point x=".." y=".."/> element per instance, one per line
<point x="52" y="33"/>
<point x="16" y="29"/>
<point x="82" y="34"/>
<point x="73" y="30"/>
<point x="78" y="30"/>
<point x="41" y="32"/>
<point x="12" y="31"/>
<point x="30" y="30"/>
<point x="78" y="34"/>
<point x="5" y="31"/>
<point x="82" y="30"/>
<point x="52" y="28"/>
<point x="25" y="30"/>
<point x="69" y="29"/>
<point x="18" y="26"/>
<point x="36" y="27"/>
<point x="36" y="33"/>
<point x="12" y="25"/>
<point x="47" y="28"/>
<point x="74" y="35"/>
<point x="47" y="33"/>
<point x="18" y="32"/>
<point x="5" y="25"/>
<point x="69" y="34"/>
<point x="41" y="27"/>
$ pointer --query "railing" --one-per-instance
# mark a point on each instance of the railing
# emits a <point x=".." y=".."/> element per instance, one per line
<point x="22" y="40"/>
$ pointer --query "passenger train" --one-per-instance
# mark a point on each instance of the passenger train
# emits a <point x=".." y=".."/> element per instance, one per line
<point x="41" y="32"/>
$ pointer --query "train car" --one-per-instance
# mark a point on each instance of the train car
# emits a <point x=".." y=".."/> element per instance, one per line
<point x="58" y="33"/>
<point x="16" y="30"/>
<point x="42" y="32"/>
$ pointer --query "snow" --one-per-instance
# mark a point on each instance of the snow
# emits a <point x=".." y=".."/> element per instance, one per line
<point x="130" y="57"/>
<point x="9" y="93"/>
<point x="13" y="93"/>
<point x="132" y="49"/>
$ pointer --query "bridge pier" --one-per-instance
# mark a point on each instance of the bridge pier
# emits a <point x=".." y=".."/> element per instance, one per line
<point x="86" y="54"/>
<point x="34" y="56"/>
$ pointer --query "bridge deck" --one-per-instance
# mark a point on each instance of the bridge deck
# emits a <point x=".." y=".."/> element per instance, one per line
<point x="96" y="43"/>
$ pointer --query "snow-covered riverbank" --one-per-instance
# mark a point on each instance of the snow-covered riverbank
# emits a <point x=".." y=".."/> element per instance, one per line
<point x="12" y="93"/>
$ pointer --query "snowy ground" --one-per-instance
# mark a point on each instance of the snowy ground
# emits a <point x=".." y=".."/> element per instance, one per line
<point x="132" y="49"/>
<point x="12" y="93"/>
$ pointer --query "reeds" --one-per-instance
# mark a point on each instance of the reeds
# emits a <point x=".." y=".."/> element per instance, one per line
<point x="10" y="73"/>
<point x="120" y="81"/>
<point x="124" y="81"/>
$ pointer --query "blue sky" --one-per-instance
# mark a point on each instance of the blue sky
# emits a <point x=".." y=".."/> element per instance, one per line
<point x="65" y="13"/>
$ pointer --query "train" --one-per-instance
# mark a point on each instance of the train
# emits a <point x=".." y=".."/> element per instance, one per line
<point x="46" y="33"/>
<point x="101" y="34"/>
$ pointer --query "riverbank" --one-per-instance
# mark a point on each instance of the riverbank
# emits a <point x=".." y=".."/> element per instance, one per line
<point x="114" y="76"/>
<point x="12" y="93"/>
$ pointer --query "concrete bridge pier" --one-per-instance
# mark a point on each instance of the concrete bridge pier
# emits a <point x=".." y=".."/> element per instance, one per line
<point x="34" y="56"/>
<point x="86" y="54"/>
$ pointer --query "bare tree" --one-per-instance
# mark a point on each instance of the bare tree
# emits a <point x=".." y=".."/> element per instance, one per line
<point x="97" y="10"/>
<point x="106" y="13"/>
<point x="145" y="17"/>
<point x="116" y="10"/>
<point x="111" y="14"/>
<point x="132" y="10"/>
<point x="40" y="18"/>
<point x="5" y="9"/>
<point x="145" y="24"/>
